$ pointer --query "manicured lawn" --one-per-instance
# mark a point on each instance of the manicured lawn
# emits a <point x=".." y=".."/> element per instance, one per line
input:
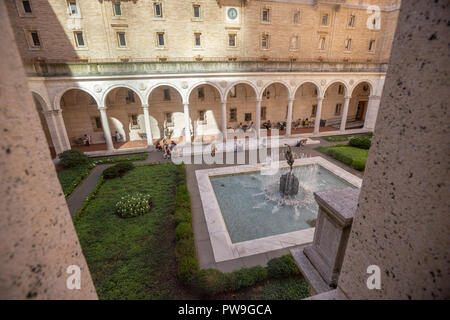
<point x="71" y="177"/>
<point x="342" y="137"/>
<point x="133" y="258"/>
<point x="354" y="157"/>
<point x="275" y="289"/>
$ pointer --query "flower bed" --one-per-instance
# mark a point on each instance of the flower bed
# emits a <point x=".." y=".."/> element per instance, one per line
<point x="133" y="205"/>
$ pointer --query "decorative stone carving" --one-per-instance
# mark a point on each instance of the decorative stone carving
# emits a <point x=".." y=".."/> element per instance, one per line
<point x="184" y="84"/>
<point x="259" y="83"/>
<point x="223" y="84"/>
<point x="351" y="82"/>
<point x="98" y="88"/>
<point x="292" y="82"/>
<point x="142" y="86"/>
<point x="323" y="82"/>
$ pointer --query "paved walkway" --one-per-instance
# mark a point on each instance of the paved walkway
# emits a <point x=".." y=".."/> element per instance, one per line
<point x="202" y="242"/>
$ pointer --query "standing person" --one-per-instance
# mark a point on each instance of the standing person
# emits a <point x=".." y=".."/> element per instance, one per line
<point x="213" y="150"/>
<point x="87" y="140"/>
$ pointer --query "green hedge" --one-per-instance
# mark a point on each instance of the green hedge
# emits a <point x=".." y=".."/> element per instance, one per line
<point x="210" y="282"/>
<point x="72" y="158"/>
<point x="360" y="141"/>
<point x="118" y="170"/>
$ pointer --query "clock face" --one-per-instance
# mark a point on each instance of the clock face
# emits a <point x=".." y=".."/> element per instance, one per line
<point x="232" y="13"/>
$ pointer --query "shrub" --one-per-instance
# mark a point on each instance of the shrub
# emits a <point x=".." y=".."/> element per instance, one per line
<point x="182" y="215"/>
<point x="125" y="166"/>
<point x="187" y="267"/>
<point x="247" y="277"/>
<point x="184" y="231"/>
<point x="185" y="248"/>
<point x="359" y="164"/>
<point x="362" y="142"/>
<point x="111" y="172"/>
<point x="118" y="170"/>
<point x="133" y="205"/>
<point x="282" y="267"/>
<point x="183" y="198"/>
<point x="72" y="158"/>
<point x="181" y="173"/>
<point x="209" y="282"/>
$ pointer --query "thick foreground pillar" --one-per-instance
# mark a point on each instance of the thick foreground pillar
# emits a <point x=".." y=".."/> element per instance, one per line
<point x="37" y="237"/>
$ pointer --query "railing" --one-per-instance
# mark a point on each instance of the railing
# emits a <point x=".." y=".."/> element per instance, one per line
<point x="104" y="67"/>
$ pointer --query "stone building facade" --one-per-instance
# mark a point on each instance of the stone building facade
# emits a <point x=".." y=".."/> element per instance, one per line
<point x="200" y="68"/>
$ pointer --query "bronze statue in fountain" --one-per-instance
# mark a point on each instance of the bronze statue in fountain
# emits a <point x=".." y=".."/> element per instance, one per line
<point x="288" y="182"/>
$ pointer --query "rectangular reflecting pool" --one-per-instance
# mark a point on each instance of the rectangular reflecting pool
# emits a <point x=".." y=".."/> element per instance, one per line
<point x="246" y="215"/>
<point x="252" y="206"/>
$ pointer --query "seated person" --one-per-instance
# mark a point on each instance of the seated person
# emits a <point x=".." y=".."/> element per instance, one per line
<point x="301" y="142"/>
<point x="305" y="123"/>
<point x="158" y="145"/>
<point x="172" y="145"/>
<point x="267" y="124"/>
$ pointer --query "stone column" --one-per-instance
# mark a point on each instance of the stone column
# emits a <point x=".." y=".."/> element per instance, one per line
<point x="258" y="118"/>
<point x="38" y="241"/>
<point x="224" y="120"/>
<point x="187" y="123"/>
<point x="371" y="112"/>
<point x="318" y="112"/>
<point x="65" y="143"/>
<point x="106" y="130"/>
<point x="289" y="117"/>
<point x="148" y="130"/>
<point x="344" y="114"/>
<point x="56" y="135"/>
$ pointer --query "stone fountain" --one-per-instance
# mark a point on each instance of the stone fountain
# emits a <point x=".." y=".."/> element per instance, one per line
<point x="288" y="182"/>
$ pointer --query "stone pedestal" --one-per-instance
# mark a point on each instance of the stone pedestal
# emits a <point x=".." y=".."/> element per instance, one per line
<point x="288" y="184"/>
<point x="321" y="262"/>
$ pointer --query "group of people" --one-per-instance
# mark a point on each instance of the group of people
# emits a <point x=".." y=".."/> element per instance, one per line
<point x="167" y="148"/>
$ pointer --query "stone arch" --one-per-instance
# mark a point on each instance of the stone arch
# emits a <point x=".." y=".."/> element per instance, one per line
<point x="58" y="96"/>
<point x="205" y="115"/>
<point x="347" y="89"/>
<point x="227" y="91"/>
<point x="111" y="88"/>
<point x="319" y="92"/>
<point x="42" y="107"/>
<point x="204" y="83"/>
<point x="44" y="104"/>
<point x="288" y="88"/>
<point x="164" y="84"/>
<point x="369" y="82"/>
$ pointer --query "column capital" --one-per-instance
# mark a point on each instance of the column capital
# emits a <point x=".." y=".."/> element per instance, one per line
<point x="102" y="108"/>
<point x="374" y="97"/>
<point x="144" y="106"/>
<point x="320" y="98"/>
<point x="347" y="97"/>
<point x="259" y="100"/>
<point x="290" y="100"/>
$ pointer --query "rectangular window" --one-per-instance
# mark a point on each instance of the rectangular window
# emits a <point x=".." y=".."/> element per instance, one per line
<point x="348" y="44"/>
<point x="73" y="8"/>
<point x="294" y="43"/>
<point x="26" y="6"/>
<point x="232" y="40"/>
<point x="233" y="114"/>
<point x="372" y="46"/>
<point x="166" y="94"/>
<point x="96" y="124"/>
<point x="265" y="41"/>
<point x="325" y="19"/>
<point x="130" y="96"/>
<point x="266" y="15"/>
<point x="315" y="92"/>
<point x="168" y="116"/>
<point x="134" y="120"/>
<point x="297" y="17"/>
<point x="337" y="111"/>
<point x="201" y="93"/>
<point x="248" y="117"/>
<point x="197" y="38"/>
<point x="233" y="92"/>
<point x="322" y="43"/>
<point x="160" y="36"/>
<point x="263" y="113"/>
<point x="35" y="39"/>
<point x="341" y="89"/>
<point x="351" y="21"/>
<point x="196" y="9"/>
<point x="158" y="10"/>
<point x="201" y="116"/>
<point x="122" y="40"/>
<point x="117" y="9"/>
<point x="79" y="39"/>
<point x="314" y="110"/>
